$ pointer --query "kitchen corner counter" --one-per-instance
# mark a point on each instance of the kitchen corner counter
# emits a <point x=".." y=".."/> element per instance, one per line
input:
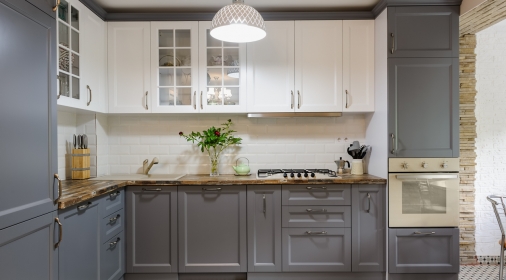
<point x="77" y="191"/>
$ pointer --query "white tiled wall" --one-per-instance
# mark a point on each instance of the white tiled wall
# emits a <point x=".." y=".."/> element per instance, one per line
<point x="491" y="129"/>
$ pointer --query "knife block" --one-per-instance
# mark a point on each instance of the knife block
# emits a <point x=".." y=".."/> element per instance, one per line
<point x="80" y="164"/>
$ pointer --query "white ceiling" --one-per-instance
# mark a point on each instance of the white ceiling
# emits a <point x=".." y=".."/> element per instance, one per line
<point x="215" y="5"/>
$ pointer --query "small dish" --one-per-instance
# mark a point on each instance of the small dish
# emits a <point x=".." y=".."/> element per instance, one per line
<point x="242" y="174"/>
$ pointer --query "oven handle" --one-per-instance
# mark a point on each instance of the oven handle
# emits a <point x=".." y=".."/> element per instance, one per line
<point x="427" y="177"/>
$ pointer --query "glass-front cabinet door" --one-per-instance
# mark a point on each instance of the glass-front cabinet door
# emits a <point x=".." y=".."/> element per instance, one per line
<point x="68" y="24"/>
<point x="222" y="74"/>
<point x="174" y="67"/>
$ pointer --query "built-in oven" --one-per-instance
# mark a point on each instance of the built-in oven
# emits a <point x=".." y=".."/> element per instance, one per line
<point x="423" y="192"/>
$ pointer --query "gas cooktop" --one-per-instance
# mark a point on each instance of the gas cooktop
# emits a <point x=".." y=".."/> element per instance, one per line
<point x="296" y="173"/>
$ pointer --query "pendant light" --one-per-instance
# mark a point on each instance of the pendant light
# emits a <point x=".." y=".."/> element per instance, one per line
<point x="238" y="23"/>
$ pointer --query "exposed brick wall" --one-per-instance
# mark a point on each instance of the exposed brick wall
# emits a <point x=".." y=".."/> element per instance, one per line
<point x="484" y="15"/>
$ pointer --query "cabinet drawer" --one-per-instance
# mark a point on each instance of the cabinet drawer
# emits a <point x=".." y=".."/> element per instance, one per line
<point x="112" y="225"/>
<point x="317" y="249"/>
<point x="112" y="258"/>
<point x="316" y="216"/>
<point x="112" y="202"/>
<point x="316" y="195"/>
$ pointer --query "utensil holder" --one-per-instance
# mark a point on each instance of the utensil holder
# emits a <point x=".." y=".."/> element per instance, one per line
<point x="357" y="167"/>
<point x="80" y="164"/>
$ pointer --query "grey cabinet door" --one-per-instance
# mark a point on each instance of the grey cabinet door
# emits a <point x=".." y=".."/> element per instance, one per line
<point x="27" y="249"/>
<point x="27" y="112"/>
<point x="212" y="228"/>
<point x="316" y="195"/>
<point x="112" y="258"/>
<point x="264" y="228"/>
<point x="319" y="216"/>
<point x="430" y="31"/>
<point x="423" y="250"/>
<point x="45" y="5"/>
<point x="79" y="248"/>
<point x="112" y="203"/>
<point x="317" y="249"/>
<point x="151" y="229"/>
<point x="368" y="228"/>
<point x="423" y="116"/>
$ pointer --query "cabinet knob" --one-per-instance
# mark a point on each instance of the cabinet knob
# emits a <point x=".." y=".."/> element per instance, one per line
<point x="425" y="165"/>
<point x="404" y="165"/>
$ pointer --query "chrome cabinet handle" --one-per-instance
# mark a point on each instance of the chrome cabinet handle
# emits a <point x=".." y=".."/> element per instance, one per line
<point x="369" y="205"/>
<point x="393" y="143"/>
<point x="316" y="232"/>
<point x="316" y="210"/>
<point x="60" y="234"/>
<point x="211" y="190"/>
<point x="291" y="105"/>
<point x="59" y="85"/>
<point x="59" y="187"/>
<point x="113" y="195"/>
<point x="146" y="99"/>
<point x="265" y="205"/>
<point x="393" y="43"/>
<point x="310" y="188"/>
<point x="425" y="233"/>
<point x="82" y="207"/>
<point x="112" y="244"/>
<point x="152" y="190"/>
<point x="298" y="99"/>
<point x="114" y="219"/>
<point x="346" y="99"/>
<point x="56" y="7"/>
<point x="201" y="104"/>
<point x="89" y="89"/>
<point x="195" y="100"/>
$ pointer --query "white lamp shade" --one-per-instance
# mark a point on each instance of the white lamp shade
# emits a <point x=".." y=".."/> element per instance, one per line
<point x="238" y="23"/>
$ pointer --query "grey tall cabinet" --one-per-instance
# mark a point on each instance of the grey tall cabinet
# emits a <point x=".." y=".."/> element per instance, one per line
<point x="28" y="151"/>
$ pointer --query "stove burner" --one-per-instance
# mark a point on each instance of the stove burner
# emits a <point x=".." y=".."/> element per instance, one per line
<point x="299" y="173"/>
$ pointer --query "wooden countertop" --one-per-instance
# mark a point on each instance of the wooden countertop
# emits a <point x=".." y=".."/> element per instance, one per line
<point x="77" y="191"/>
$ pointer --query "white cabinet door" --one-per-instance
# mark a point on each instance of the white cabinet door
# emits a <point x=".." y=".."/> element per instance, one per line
<point x="94" y="61"/>
<point x="174" y="67"/>
<point x="270" y="64"/>
<point x="358" y="67"/>
<point x="222" y="74"/>
<point x="318" y="66"/>
<point x="129" y="67"/>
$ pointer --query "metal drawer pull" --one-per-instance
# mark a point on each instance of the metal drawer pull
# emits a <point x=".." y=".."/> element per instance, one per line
<point x="369" y="206"/>
<point x="146" y="99"/>
<point x="291" y="107"/>
<point x="346" y="99"/>
<point x="265" y="206"/>
<point x="310" y="188"/>
<point x="201" y="104"/>
<point x="316" y="232"/>
<point x="393" y="143"/>
<point x="60" y="234"/>
<point x="82" y="207"/>
<point x="195" y="100"/>
<point x="59" y="187"/>
<point x="59" y="85"/>
<point x="113" y="195"/>
<point x="393" y="43"/>
<point x="112" y="244"/>
<point x="211" y="190"/>
<point x="152" y="190"/>
<point x="89" y="102"/>
<point x="426" y="233"/>
<point x="316" y="210"/>
<point x="56" y="7"/>
<point x="298" y="105"/>
<point x="114" y="219"/>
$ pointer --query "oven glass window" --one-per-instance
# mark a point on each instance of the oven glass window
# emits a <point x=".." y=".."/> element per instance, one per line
<point x="424" y="197"/>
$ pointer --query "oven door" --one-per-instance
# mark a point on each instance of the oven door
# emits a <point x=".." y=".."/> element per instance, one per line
<point x="423" y="199"/>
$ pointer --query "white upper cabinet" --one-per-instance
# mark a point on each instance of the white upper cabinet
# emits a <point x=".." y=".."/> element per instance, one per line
<point x="174" y="67"/>
<point x="129" y="67"/>
<point x="270" y="69"/>
<point x="318" y="66"/>
<point x="222" y="74"/>
<point x="358" y="66"/>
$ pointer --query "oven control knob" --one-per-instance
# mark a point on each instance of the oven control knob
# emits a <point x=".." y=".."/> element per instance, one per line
<point x="312" y="175"/>
<point x="292" y="175"/>
<point x="425" y="165"/>
<point x="299" y="175"/>
<point x="404" y="165"/>
<point x="444" y="165"/>
<point x="285" y="175"/>
<point x="306" y="175"/>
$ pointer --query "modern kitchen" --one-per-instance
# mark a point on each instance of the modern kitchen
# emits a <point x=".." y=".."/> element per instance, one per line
<point x="231" y="139"/>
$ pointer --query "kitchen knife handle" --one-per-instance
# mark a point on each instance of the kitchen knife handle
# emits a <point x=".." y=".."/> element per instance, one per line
<point x="59" y="86"/>
<point x="393" y="143"/>
<point x="346" y="99"/>
<point x="298" y="99"/>
<point x="89" y="89"/>
<point x="59" y="187"/>
<point x="393" y="43"/>
<point x="369" y="201"/>
<point x="195" y="100"/>
<point x="291" y="107"/>
<point x="146" y="99"/>
<point x="60" y="233"/>
<point x="56" y="7"/>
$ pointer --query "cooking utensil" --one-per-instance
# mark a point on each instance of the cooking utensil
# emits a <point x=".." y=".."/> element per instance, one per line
<point x="74" y="142"/>
<point x="79" y="141"/>
<point x="85" y="141"/>
<point x="355" y="146"/>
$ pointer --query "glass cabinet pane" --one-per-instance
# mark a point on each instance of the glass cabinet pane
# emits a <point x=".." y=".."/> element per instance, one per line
<point x="63" y="59"/>
<point x="183" y="96"/>
<point x="184" y="77"/>
<point x="231" y="96"/>
<point x="183" y="38"/>
<point x="166" y="77"/>
<point x="75" y="88"/>
<point x="74" y="18"/>
<point x="166" y="96"/>
<point x="166" y="57"/>
<point x="166" y="38"/>
<point x="63" y="11"/>
<point x="214" y="57"/>
<point x="75" y="64"/>
<point x="211" y="41"/>
<point x="232" y="77"/>
<point x="75" y="41"/>
<point x="231" y="57"/>
<point x="64" y="83"/>
<point x="214" y="77"/>
<point x="63" y="34"/>
<point x="183" y="57"/>
<point x="214" y="96"/>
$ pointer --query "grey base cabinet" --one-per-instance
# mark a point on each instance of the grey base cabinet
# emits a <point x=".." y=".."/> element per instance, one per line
<point x="212" y="229"/>
<point x="45" y="5"/>
<point x="264" y="228"/>
<point x="112" y="258"/>
<point x="151" y="229"/>
<point x="368" y="228"/>
<point x="423" y="250"/>
<point x="27" y="249"/>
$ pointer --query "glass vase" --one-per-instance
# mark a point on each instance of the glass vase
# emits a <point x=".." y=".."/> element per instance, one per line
<point x="215" y="161"/>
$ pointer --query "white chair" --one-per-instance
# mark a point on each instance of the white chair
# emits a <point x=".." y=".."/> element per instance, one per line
<point x="499" y="207"/>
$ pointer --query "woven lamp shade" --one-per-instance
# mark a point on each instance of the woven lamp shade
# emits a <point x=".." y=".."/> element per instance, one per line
<point x="238" y="23"/>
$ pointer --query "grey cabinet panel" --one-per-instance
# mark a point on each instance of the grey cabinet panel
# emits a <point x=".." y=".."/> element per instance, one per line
<point x="423" y="100"/>
<point x="320" y="216"/>
<point x="212" y="229"/>
<point x="28" y="53"/>
<point x="430" y="31"/>
<point x="316" y="252"/>
<point x="316" y="195"/>
<point x="151" y="229"/>
<point x="112" y="258"/>
<point x="368" y="228"/>
<point x="112" y="203"/>
<point x="79" y="248"/>
<point x="264" y="228"/>
<point x="45" y="5"/>
<point x="432" y="250"/>
<point x="112" y="225"/>
<point x="27" y="249"/>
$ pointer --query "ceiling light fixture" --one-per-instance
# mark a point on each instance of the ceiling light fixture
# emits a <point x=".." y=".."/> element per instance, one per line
<point x="238" y="23"/>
